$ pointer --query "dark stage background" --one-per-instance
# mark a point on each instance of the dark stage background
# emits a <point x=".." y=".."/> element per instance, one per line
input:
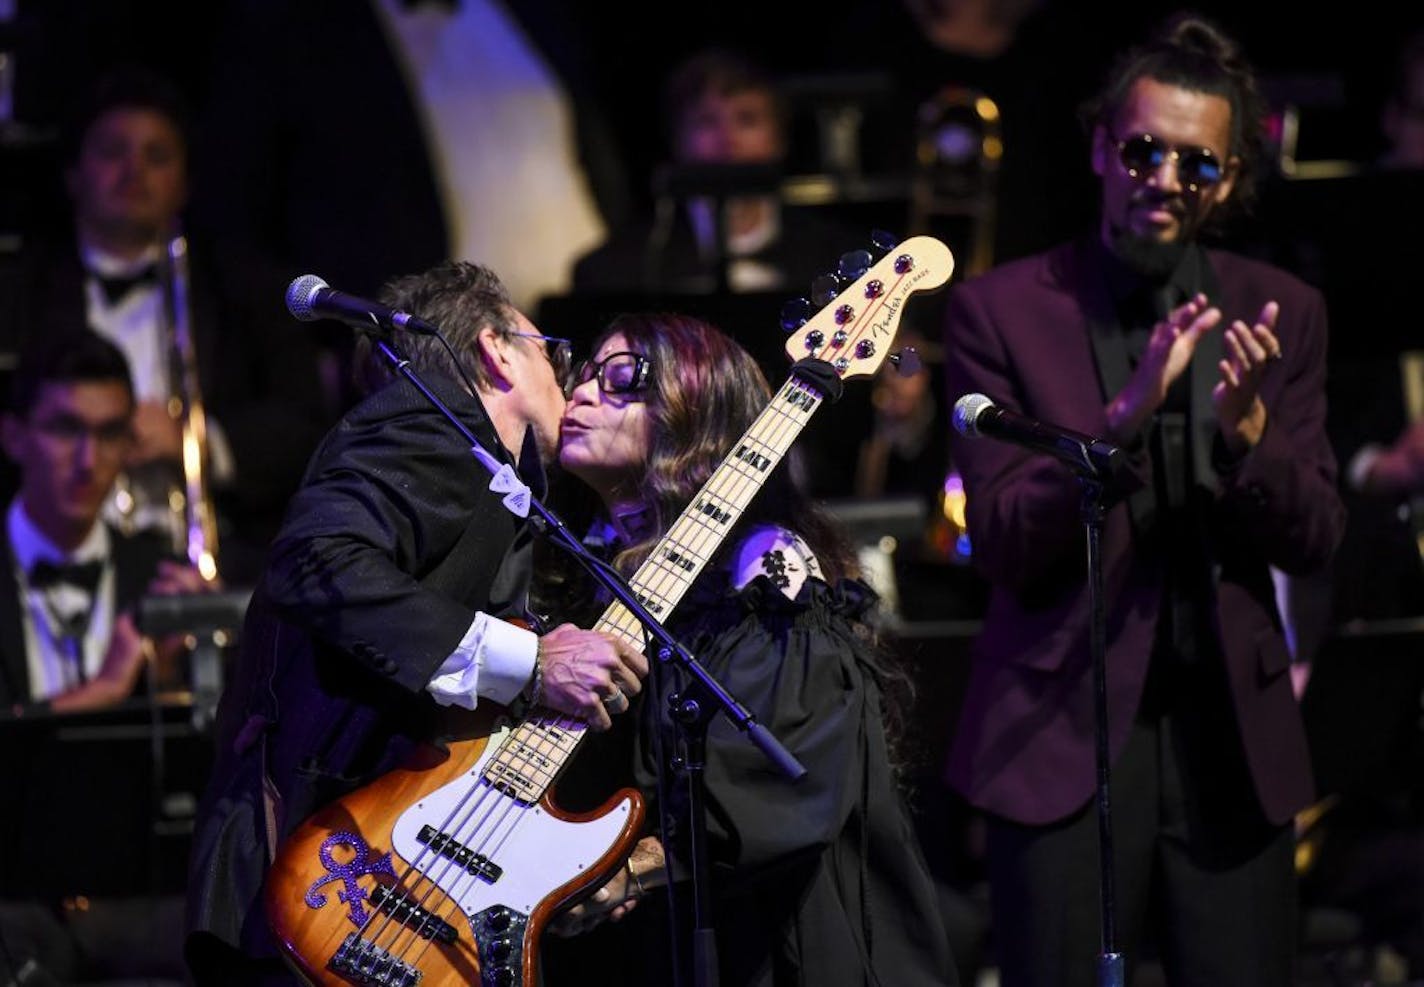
<point x="1329" y="222"/>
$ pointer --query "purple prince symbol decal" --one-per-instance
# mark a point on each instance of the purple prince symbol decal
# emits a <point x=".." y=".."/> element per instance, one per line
<point x="353" y="893"/>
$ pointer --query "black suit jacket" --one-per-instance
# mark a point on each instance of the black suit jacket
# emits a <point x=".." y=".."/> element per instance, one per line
<point x="1039" y="336"/>
<point x="257" y="370"/>
<point x="135" y="563"/>
<point x="392" y="544"/>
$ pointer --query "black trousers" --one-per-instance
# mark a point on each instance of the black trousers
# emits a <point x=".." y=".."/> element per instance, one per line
<point x="1198" y="869"/>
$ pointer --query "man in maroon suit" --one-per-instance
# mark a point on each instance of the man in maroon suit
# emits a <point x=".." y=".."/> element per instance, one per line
<point x="1208" y="369"/>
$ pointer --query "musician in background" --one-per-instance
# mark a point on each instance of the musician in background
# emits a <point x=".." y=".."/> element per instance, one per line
<point x="814" y="882"/>
<point x="383" y="598"/>
<point x="68" y="642"/>
<point x="66" y="628"/>
<point x="125" y="152"/>
<point x="719" y="108"/>
<point x="1208" y="369"/>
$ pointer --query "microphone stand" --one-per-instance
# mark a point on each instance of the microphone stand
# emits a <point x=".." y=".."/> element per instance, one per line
<point x="1110" y="961"/>
<point x="1099" y="467"/>
<point x="693" y="708"/>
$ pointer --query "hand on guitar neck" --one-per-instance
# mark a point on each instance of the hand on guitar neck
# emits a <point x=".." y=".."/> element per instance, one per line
<point x="583" y="673"/>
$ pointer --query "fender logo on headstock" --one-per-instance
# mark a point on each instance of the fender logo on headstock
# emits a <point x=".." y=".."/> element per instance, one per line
<point x="854" y="331"/>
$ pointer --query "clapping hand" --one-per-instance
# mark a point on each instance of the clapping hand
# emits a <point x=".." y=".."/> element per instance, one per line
<point x="1240" y="412"/>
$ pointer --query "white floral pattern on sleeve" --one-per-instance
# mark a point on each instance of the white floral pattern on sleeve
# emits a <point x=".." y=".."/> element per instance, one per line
<point x="777" y="553"/>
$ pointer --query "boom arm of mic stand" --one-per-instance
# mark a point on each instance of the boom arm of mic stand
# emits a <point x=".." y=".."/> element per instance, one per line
<point x="741" y="717"/>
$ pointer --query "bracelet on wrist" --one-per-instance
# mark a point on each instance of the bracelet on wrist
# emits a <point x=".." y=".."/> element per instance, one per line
<point x="633" y="878"/>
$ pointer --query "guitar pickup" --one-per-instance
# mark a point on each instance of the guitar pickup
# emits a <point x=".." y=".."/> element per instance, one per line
<point x="452" y="849"/>
<point x="427" y="924"/>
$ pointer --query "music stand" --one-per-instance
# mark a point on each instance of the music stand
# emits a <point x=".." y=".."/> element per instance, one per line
<point x="211" y="620"/>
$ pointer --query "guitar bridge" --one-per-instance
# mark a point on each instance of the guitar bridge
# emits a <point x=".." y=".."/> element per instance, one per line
<point x="364" y="963"/>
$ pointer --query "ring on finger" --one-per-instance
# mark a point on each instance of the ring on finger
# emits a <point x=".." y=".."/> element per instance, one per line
<point x="616" y="701"/>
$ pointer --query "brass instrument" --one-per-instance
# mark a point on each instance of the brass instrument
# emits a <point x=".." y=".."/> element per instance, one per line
<point x="191" y="504"/>
<point x="958" y="148"/>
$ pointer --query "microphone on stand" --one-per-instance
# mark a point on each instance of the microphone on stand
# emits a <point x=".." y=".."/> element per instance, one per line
<point x="310" y="298"/>
<point x="976" y="415"/>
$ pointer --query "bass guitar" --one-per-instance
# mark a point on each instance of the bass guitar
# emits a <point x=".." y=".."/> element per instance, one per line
<point x="447" y="870"/>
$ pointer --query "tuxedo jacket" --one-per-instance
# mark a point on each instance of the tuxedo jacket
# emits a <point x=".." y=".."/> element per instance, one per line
<point x="1041" y="336"/>
<point x="135" y="561"/>
<point x="389" y="548"/>
<point x="256" y="368"/>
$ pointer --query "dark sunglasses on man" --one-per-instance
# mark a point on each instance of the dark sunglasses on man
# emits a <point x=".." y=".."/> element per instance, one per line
<point x="1144" y="154"/>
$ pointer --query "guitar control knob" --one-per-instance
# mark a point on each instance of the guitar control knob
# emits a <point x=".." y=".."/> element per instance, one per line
<point x="502" y="976"/>
<point x="498" y="920"/>
<point x="499" y="950"/>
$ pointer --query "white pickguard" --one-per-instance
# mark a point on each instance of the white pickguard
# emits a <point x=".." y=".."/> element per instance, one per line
<point x="535" y="851"/>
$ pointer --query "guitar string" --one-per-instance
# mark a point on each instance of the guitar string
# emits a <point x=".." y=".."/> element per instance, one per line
<point x="419" y="865"/>
<point x="728" y="485"/>
<point x="733" y="493"/>
<point x="495" y="819"/>
<point x="458" y="831"/>
<point x="544" y="740"/>
<point x="740" y="479"/>
<point x="858" y="327"/>
<point x="685" y="530"/>
<point x="437" y="881"/>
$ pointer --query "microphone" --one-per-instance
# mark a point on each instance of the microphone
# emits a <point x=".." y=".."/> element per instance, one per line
<point x="975" y="416"/>
<point x="310" y="298"/>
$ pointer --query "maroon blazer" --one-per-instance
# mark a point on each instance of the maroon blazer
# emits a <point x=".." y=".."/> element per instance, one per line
<point x="1041" y="336"/>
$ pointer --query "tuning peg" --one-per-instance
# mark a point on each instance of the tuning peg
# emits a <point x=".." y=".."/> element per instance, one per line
<point x="853" y="264"/>
<point x="907" y="362"/>
<point x="883" y="242"/>
<point x="795" y="314"/>
<point x="824" y="289"/>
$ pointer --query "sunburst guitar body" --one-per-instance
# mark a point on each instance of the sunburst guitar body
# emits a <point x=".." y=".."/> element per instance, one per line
<point x="446" y="871"/>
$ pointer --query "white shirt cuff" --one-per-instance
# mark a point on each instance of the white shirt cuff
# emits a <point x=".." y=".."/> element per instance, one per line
<point x="494" y="659"/>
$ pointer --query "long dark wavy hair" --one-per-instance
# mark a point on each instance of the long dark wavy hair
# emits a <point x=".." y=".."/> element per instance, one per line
<point x="704" y="392"/>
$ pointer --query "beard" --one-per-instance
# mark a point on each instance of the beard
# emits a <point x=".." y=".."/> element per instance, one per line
<point x="1151" y="259"/>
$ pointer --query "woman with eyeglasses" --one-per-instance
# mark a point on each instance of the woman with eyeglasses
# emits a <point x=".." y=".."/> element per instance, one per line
<point x="819" y="881"/>
<point x="1208" y="369"/>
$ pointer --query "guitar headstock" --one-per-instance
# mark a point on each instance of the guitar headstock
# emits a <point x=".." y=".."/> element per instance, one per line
<point x="861" y="303"/>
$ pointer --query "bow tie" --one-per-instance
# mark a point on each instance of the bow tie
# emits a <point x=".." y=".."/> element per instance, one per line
<point x="115" y="288"/>
<point x="83" y="575"/>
